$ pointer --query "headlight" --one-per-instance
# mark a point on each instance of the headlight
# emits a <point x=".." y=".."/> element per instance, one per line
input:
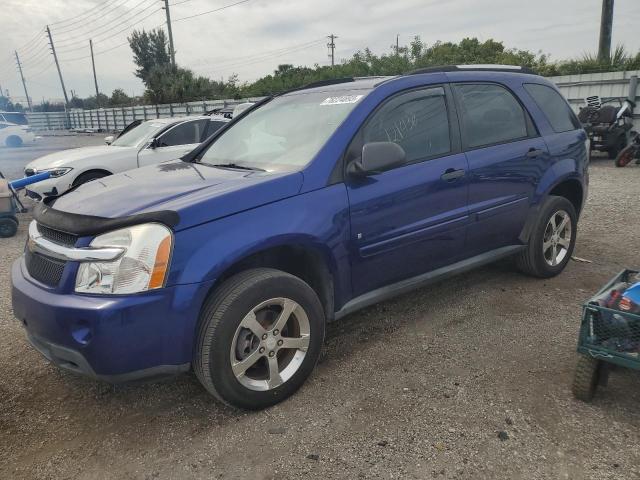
<point x="143" y="265"/>
<point x="55" y="172"/>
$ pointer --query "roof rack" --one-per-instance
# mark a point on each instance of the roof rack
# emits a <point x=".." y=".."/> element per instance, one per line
<point x="319" y="83"/>
<point x="475" y="68"/>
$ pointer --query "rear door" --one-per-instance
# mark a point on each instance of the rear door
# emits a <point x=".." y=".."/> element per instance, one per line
<point x="411" y="219"/>
<point x="174" y="142"/>
<point x="506" y="161"/>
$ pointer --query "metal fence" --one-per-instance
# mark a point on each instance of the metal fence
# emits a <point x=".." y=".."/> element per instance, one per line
<point x="114" y="119"/>
<point x="609" y="86"/>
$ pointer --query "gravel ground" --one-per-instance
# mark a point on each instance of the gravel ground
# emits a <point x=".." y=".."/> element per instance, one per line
<point x="418" y="387"/>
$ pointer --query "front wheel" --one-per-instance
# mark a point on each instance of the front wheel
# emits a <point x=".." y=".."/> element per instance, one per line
<point x="552" y="240"/>
<point x="260" y="336"/>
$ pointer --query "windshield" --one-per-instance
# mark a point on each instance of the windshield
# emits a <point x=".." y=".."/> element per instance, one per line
<point x="284" y="134"/>
<point x="139" y="134"/>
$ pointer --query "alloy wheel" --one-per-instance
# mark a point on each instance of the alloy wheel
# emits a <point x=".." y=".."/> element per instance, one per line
<point x="557" y="238"/>
<point x="270" y="344"/>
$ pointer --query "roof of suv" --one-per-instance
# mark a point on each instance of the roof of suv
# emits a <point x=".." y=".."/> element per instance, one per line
<point x="367" y="83"/>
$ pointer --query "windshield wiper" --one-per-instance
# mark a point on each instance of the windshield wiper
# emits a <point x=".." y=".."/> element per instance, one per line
<point x="239" y="167"/>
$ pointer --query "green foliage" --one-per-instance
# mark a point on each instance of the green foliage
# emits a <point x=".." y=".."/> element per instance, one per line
<point x="416" y="55"/>
<point x="120" y="99"/>
<point x="8" y="106"/>
<point x="620" y="60"/>
<point x="178" y="85"/>
<point x="149" y="52"/>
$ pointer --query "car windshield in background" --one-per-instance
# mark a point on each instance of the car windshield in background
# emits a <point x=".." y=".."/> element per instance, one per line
<point x="284" y="134"/>
<point x="138" y="135"/>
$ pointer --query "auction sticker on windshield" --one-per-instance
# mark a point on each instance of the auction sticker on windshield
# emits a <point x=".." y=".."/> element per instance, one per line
<point x="341" y="100"/>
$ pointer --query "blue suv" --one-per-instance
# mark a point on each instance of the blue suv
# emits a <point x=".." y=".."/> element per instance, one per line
<point x="311" y="205"/>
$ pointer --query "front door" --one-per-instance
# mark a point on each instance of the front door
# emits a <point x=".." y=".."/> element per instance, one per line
<point x="174" y="142"/>
<point x="411" y="219"/>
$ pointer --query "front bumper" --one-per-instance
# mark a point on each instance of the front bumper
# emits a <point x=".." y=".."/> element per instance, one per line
<point x="111" y="338"/>
<point x="49" y="187"/>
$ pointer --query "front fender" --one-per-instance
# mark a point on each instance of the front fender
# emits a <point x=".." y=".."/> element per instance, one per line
<point x="316" y="220"/>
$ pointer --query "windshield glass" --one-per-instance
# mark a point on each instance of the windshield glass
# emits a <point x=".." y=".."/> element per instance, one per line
<point x="284" y="134"/>
<point x="138" y="135"/>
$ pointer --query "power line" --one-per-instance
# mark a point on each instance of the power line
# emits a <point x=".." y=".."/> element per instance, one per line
<point x="93" y="32"/>
<point x="117" y="33"/>
<point x="93" y="10"/>
<point x="211" y="11"/>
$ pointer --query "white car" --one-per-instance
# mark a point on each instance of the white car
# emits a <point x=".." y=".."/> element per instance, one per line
<point x="12" y="135"/>
<point x="151" y="142"/>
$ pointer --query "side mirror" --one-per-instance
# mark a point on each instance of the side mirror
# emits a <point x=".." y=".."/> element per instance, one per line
<point x="153" y="144"/>
<point x="378" y="157"/>
<point x="108" y="140"/>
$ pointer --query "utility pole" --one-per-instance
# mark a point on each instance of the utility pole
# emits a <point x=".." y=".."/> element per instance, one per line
<point x="55" y="58"/>
<point x="95" y="78"/>
<point x="606" y="28"/>
<point x="397" y="44"/>
<point x="172" y="51"/>
<point x="332" y="48"/>
<point x="23" y="82"/>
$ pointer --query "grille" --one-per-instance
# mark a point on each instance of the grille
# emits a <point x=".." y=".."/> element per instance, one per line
<point x="44" y="269"/>
<point x="57" y="236"/>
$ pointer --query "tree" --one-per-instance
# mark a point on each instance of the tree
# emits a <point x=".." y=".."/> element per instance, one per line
<point x="119" y="98"/>
<point x="149" y="52"/>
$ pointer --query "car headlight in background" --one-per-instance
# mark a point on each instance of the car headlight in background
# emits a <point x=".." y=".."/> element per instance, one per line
<point x="54" y="172"/>
<point x="143" y="265"/>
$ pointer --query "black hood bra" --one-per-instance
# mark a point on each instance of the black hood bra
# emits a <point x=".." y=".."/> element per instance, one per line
<point x="89" y="225"/>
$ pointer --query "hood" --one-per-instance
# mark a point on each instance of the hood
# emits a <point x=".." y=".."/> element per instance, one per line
<point x="198" y="193"/>
<point x="64" y="158"/>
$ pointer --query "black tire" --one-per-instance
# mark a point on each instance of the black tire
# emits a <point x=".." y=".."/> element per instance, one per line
<point x="13" y="141"/>
<point x="8" y="227"/>
<point x="89" y="176"/>
<point x="531" y="260"/>
<point x="585" y="380"/>
<point x="221" y="316"/>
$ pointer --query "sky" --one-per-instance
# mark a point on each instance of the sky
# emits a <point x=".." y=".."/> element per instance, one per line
<point x="251" y="38"/>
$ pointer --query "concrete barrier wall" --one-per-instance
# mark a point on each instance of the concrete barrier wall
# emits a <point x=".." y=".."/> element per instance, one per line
<point x="115" y="119"/>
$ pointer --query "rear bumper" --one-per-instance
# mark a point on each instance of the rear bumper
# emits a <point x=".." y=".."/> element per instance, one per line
<point x="116" y="339"/>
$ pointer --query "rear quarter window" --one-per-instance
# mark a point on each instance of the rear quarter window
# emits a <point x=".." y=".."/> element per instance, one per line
<point x="554" y="107"/>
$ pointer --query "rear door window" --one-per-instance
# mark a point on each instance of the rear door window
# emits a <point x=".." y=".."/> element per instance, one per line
<point x="554" y="107"/>
<point x="417" y="121"/>
<point x="490" y="114"/>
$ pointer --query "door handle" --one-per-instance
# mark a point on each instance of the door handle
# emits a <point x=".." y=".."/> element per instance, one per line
<point x="534" y="152"/>
<point x="451" y="175"/>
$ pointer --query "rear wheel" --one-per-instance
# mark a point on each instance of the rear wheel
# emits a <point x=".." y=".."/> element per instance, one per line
<point x="585" y="380"/>
<point x="89" y="176"/>
<point x="259" y="338"/>
<point x="552" y="240"/>
<point x="13" y="141"/>
<point x="8" y="227"/>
